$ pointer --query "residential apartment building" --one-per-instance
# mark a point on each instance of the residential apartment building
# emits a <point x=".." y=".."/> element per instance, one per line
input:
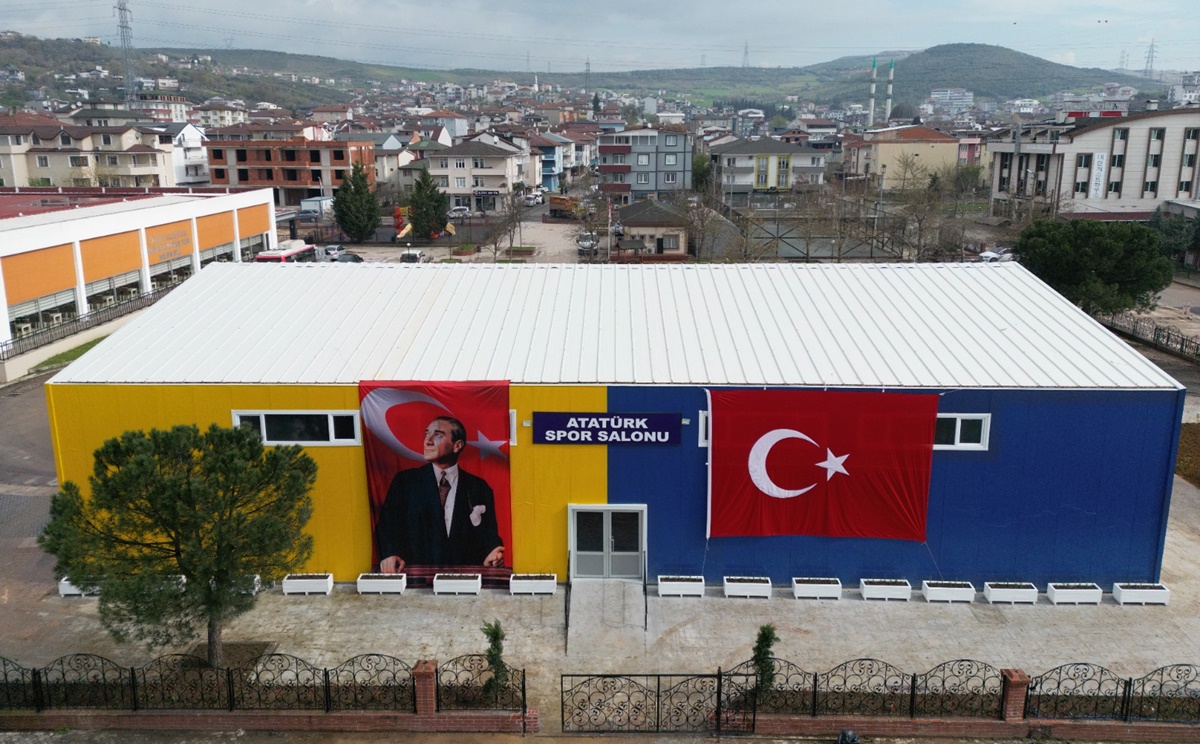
<point x="165" y="107"/>
<point x="743" y="167"/>
<point x="900" y="156"/>
<point x="189" y="156"/>
<point x="49" y="154"/>
<point x="952" y="100"/>
<point x="645" y="162"/>
<point x="221" y="114"/>
<point x="296" y="168"/>
<point x="1119" y="168"/>
<point x="554" y="156"/>
<point x="476" y="175"/>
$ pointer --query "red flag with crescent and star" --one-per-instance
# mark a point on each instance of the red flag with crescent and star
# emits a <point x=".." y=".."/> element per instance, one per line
<point x="395" y="416"/>
<point x="813" y="462"/>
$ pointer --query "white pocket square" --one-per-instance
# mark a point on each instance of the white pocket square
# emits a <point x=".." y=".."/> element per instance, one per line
<point x="477" y="515"/>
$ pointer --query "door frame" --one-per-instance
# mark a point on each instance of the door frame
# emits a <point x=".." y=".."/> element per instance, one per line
<point x="573" y="509"/>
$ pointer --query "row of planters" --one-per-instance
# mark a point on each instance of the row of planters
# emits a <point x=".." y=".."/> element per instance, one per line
<point x="271" y="682"/>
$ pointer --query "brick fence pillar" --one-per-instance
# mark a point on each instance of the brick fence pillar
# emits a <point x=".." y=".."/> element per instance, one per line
<point x="1016" y="687"/>
<point x="425" y="687"/>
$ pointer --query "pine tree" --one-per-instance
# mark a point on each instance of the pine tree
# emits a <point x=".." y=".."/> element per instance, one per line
<point x="429" y="207"/>
<point x="177" y="525"/>
<point x="355" y="206"/>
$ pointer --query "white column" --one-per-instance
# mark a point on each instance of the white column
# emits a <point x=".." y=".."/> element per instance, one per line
<point x="144" y="271"/>
<point x="237" y="238"/>
<point x="5" y="329"/>
<point x="195" y="248"/>
<point x="81" y="306"/>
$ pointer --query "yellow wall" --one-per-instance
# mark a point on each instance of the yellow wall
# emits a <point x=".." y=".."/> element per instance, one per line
<point x="38" y="273"/>
<point x="169" y="241"/>
<point x="253" y="220"/>
<point x="545" y="478"/>
<point x="83" y="416"/>
<point x="110" y="255"/>
<point x="215" y="229"/>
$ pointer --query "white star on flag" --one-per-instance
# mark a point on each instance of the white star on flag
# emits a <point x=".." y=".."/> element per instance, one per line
<point x="833" y="464"/>
<point x="492" y="447"/>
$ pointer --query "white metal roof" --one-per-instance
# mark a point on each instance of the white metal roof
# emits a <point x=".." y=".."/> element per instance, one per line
<point x="857" y="325"/>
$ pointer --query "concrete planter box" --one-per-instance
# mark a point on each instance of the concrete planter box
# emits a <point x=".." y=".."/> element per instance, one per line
<point x="804" y="587"/>
<point x="67" y="589"/>
<point x="457" y="583"/>
<point x="948" y="591"/>
<point x="1142" y="594"/>
<point x="377" y="583"/>
<point x="681" y="586"/>
<point x="308" y="583"/>
<point x="533" y="584"/>
<point x="885" y="589"/>
<point x="1012" y="592"/>
<point x="1074" y="593"/>
<point x="747" y="586"/>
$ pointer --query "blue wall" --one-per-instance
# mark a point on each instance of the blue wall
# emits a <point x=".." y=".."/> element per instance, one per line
<point x="1074" y="486"/>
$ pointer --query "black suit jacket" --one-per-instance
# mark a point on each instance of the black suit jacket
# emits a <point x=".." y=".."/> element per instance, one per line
<point x="412" y="523"/>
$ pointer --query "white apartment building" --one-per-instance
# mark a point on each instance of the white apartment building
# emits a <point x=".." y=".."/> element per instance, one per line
<point x="33" y="155"/>
<point x="1123" y="168"/>
<point x="475" y="175"/>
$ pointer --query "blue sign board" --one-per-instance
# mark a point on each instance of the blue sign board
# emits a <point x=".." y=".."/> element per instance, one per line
<point x="606" y="428"/>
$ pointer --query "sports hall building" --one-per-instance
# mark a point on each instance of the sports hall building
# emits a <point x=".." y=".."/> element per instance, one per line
<point x="917" y="421"/>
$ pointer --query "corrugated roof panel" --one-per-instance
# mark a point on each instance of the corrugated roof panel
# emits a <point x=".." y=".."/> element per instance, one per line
<point x="867" y="325"/>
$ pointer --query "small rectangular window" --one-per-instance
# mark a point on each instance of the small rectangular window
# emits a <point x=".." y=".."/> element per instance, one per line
<point x="671" y="140"/>
<point x="643" y="178"/>
<point x="1189" y="160"/>
<point x="1083" y="160"/>
<point x="1191" y="134"/>
<point x="1081" y="187"/>
<point x="962" y="431"/>
<point x="43" y="161"/>
<point x="1121" y="134"/>
<point x="1151" y="187"/>
<point x="309" y="428"/>
<point x="643" y="159"/>
<point x="1154" y="161"/>
<point x="65" y="140"/>
<point x="106" y="139"/>
<point x="1118" y="161"/>
<point x="1185" y="186"/>
<point x="1157" y="134"/>
<point x="669" y="177"/>
<point x="670" y="159"/>
<point x="1114" y="187"/>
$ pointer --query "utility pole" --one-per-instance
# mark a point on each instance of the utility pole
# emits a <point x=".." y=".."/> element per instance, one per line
<point x="123" y="23"/>
<point x="587" y="75"/>
<point x="746" y="55"/>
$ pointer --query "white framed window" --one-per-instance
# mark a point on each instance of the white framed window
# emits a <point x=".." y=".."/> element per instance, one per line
<point x="643" y="178"/>
<point x="460" y="182"/>
<point x="477" y="163"/>
<point x="669" y="177"/>
<point x="113" y="160"/>
<point x="79" y="161"/>
<point x="43" y="161"/>
<point x="64" y="140"/>
<point x="444" y="182"/>
<point x="460" y="163"/>
<point x="477" y="182"/>
<point x="671" y="140"/>
<point x="670" y="159"/>
<point x="962" y="431"/>
<point x="643" y="159"/>
<point x="309" y="428"/>
<point x="106" y="139"/>
<point x="443" y="162"/>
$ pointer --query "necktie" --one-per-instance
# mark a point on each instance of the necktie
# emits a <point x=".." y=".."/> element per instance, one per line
<point x="443" y="489"/>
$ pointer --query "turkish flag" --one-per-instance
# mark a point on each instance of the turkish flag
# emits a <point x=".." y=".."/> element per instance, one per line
<point x="812" y="462"/>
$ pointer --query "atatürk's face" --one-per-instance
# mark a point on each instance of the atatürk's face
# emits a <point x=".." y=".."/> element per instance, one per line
<point x="440" y="447"/>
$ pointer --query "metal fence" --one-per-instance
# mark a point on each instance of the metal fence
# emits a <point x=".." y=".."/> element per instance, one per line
<point x="180" y="682"/>
<point x="721" y="703"/>
<point x="469" y="683"/>
<point x="1163" y="337"/>
<point x="1169" y="694"/>
<point x="44" y="337"/>
<point x="870" y="687"/>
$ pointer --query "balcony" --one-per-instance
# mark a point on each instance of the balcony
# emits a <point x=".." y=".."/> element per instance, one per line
<point x="615" y="149"/>
<point x="616" y="188"/>
<point x="616" y="168"/>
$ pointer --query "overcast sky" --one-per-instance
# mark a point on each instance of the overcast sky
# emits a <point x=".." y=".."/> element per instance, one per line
<point x="562" y="35"/>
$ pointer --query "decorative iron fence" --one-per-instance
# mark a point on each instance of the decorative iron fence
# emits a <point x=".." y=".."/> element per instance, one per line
<point x="180" y="682"/>
<point x="469" y="683"/>
<point x="24" y="344"/>
<point x="1145" y="329"/>
<point x="1169" y="694"/>
<point x="721" y="703"/>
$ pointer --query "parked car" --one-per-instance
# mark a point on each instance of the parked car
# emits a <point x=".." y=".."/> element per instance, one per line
<point x="412" y="255"/>
<point x="588" y="244"/>
<point x="1000" y="254"/>
<point x="618" y="230"/>
<point x="532" y="200"/>
<point x="349" y="258"/>
<point x="460" y="213"/>
<point x="308" y="215"/>
<point x="334" y="252"/>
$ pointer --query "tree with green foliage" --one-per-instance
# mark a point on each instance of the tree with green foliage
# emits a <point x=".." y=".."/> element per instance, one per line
<point x="178" y="524"/>
<point x="701" y="172"/>
<point x="1104" y="267"/>
<point x="596" y="103"/>
<point x="355" y="206"/>
<point x="495" y="658"/>
<point x="1176" y="233"/>
<point x="429" y="206"/>
<point x="764" y="660"/>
